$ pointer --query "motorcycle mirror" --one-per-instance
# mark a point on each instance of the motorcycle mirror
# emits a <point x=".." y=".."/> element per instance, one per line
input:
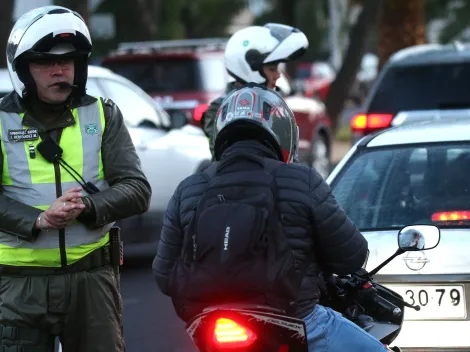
<point x="419" y="237"/>
<point x="423" y="237"/>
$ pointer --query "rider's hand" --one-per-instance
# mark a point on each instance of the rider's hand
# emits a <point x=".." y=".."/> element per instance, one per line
<point x="64" y="209"/>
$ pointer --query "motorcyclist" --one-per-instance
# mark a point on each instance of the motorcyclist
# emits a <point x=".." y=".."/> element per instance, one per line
<point x="253" y="54"/>
<point x="412" y="239"/>
<point x="317" y="229"/>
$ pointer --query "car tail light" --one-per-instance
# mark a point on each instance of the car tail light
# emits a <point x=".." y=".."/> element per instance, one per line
<point x="229" y="334"/>
<point x="366" y="123"/>
<point x="457" y="215"/>
<point x="199" y="111"/>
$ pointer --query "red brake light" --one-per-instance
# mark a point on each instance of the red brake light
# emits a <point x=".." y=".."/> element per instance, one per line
<point x="369" y="122"/>
<point x="229" y="334"/>
<point x="199" y="110"/>
<point x="458" y="215"/>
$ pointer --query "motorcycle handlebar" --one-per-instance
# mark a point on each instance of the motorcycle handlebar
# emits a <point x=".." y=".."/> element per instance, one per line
<point x="385" y="304"/>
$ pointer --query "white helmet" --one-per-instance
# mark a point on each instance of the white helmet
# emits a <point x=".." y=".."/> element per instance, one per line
<point x="250" y="48"/>
<point x="45" y="32"/>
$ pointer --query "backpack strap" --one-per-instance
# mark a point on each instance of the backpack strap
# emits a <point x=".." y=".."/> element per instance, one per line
<point x="189" y="242"/>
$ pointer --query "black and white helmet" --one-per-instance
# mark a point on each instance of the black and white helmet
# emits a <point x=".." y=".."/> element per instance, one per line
<point x="44" y="32"/>
<point x="257" y="112"/>
<point x="250" y="48"/>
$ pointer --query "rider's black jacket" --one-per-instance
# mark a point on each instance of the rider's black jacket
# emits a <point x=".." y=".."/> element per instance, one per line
<point x="317" y="228"/>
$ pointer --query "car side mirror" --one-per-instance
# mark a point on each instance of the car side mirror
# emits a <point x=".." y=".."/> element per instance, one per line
<point x="419" y="237"/>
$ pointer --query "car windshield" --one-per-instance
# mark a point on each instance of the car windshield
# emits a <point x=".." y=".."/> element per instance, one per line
<point x="424" y="87"/>
<point x="173" y="75"/>
<point x="177" y="75"/>
<point x="388" y="188"/>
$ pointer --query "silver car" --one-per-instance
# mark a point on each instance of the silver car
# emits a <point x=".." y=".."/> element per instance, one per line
<point x="416" y="174"/>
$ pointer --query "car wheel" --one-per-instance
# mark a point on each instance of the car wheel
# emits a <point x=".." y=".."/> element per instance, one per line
<point x="320" y="156"/>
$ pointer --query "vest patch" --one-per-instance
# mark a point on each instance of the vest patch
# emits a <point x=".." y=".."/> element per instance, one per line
<point x="29" y="134"/>
<point x="91" y="128"/>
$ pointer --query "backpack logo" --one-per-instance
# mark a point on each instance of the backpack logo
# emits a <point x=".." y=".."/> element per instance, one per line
<point x="91" y="129"/>
<point x="226" y="237"/>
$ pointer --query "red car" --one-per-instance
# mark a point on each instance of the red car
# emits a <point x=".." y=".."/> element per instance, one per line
<point x="315" y="78"/>
<point x="186" y="75"/>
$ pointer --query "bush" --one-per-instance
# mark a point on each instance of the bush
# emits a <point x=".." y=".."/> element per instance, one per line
<point x="344" y="133"/>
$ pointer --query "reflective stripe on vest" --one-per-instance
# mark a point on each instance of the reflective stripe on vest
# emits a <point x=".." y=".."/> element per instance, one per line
<point x="32" y="181"/>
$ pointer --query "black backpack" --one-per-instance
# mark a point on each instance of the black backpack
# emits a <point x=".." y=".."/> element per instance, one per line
<point x="237" y="251"/>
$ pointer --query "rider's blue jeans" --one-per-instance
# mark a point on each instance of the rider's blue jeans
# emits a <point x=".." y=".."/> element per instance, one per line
<point x="328" y="330"/>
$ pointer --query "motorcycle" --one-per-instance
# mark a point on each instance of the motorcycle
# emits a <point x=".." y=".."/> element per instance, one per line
<point x="254" y="328"/>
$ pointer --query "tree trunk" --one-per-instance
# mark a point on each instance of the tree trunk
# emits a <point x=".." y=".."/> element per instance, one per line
<point x="6" y="24"/>
<point x="287" y="9"/>
<point x="148" y="12"/>
<point x="339" y="90"/>
<point x="402" y="24"/>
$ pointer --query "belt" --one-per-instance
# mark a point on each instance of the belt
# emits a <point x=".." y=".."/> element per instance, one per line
<point x="98" y="258"/>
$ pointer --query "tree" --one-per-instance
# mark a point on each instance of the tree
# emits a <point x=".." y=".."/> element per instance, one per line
<point x="457" y="26"/>
<point x="80" y="6"/>
<point x="402" y="24"/>
<point x="311" y="17"/>
<point x="6" y="24"/>
<point x="144" y="20"/>
<point x="207" y="18"/>
<point x="359" y="33"/>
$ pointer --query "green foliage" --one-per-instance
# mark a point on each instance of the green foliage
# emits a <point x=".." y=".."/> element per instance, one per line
<point x="208" y="18"/>
<point x="170" y="19"/>
<point x="311" y="17"/>
<point x="456" y="16"/>
<point x="344" y="133"/>
<point x="458" y="23"/>
<point x="435" y="9"/>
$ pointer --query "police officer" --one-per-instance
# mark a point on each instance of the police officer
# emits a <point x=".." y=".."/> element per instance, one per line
<point x="68" y="171"/>
<point x="253" y="54"/>
<point x="317" y="229"/>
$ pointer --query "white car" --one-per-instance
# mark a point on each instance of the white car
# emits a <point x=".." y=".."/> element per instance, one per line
<point x="416" y="174"/>
<point x="168" y="154"/>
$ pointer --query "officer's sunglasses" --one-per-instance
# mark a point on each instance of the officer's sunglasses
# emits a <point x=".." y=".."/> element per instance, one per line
<point x="49" y="64"/>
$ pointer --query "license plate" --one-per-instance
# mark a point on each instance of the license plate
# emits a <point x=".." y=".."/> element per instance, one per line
<point x="437" y="302"/>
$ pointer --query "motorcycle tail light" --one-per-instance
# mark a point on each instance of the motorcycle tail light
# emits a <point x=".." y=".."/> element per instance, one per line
<point x="229" y="334"/>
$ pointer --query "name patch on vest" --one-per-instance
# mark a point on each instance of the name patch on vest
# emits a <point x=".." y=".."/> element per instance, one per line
<point x="30" y="134"/>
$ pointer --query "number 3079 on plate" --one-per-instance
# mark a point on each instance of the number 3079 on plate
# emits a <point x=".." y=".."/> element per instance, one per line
<point x="437" y="302"/>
